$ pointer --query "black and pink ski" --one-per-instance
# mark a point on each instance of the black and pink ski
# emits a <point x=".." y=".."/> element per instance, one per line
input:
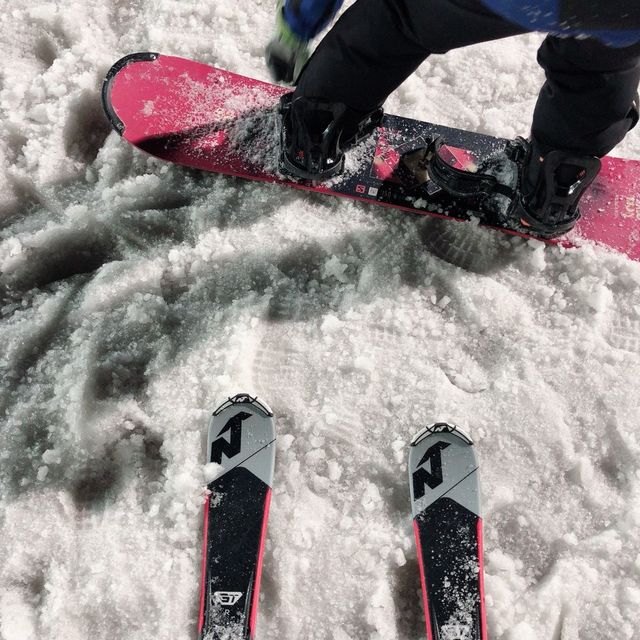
<point x="445" y="499"/>
<point x="241" y="442"/>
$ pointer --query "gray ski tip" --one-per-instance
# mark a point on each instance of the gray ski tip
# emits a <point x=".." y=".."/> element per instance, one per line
<point x="442" y="464"/>
<point x="242" y="434"/>
<point x="440" y="427"/>
<point x="245" y="398"/>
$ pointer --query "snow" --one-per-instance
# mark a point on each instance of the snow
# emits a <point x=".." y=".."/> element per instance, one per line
<point x="136" y="296"/>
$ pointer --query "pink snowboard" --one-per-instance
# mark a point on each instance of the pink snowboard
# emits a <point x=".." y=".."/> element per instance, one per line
<point x="207" y="118"/>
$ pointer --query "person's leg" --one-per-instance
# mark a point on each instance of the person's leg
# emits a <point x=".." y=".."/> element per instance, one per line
<point x="377" y="44"/>
<point x="368" y="53"/>
<point x="585" y="108"/>
<point x="590" y="99"/>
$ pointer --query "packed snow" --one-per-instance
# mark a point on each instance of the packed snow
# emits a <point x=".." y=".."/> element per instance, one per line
<point x="137" y="296"/>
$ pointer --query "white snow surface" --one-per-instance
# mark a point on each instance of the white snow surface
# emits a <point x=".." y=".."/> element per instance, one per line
<point x="136" y="296"/>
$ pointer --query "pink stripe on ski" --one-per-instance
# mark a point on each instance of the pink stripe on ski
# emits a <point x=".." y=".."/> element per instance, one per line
<point x="423" y="581"/>
<point x="483" y="612"/>
<point x="203" y="578"/>
<point x="255" y="596"/>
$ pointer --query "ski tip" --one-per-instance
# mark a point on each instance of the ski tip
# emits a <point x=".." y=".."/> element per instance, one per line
<point x="440" y="427"/>
<point x="245" y="398"/>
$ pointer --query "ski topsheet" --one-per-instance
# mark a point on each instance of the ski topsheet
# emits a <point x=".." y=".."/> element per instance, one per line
<point x="445" y="499"/>
<point x="241" y="441"/>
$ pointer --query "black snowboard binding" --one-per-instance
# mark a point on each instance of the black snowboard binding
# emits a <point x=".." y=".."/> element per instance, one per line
<point x="541" y="191"/>
<point x="550" y="186"/>
<point x="315" y="134"/>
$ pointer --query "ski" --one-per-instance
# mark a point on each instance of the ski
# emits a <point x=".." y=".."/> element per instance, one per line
<point x="241" y="441"/>
<point x="445" y="499"/>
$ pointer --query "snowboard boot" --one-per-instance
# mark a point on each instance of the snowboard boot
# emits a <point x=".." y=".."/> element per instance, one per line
<point x="540" y="188"/>
<point x="551" y="184"/>
<point x="287" y="53"/>
<point x="315" y="134"/>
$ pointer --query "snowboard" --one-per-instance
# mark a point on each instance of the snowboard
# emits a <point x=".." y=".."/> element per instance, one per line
<point x="196" y="115"/>
<point x="445" y="500"/>
<point x="241" y="442"/>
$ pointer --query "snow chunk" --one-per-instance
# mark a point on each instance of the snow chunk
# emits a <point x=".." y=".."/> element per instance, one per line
<point x="371" y="497"/>
<point x="362" y="363"/>
<point x="582" y="473"/>
<point x="333" y="268"/>
<point x="339" y="634"/>
<point x="599" y="299"/>
<point x="522" y="631"/>
<point x="444" y="302"/>
<point x="399" y="558"/>
<point x="285" y="441"/>
<point x="211" y="471"/>
<point x="51" y="456"/>
<point x="335" y="470"/>
<point x="331" y="324"/>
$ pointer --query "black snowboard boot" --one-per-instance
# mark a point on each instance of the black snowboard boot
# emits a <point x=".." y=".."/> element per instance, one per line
<point x="315" y="135"/>
<point x="551" y="184"/>
<point x="540" y="188"/>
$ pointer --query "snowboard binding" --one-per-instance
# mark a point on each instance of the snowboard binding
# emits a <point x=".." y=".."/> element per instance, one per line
<point x="427" y="164"/>
<point x="315" y="134"/>
<point x="541" y="191"/>
<point x="550" y="185"/>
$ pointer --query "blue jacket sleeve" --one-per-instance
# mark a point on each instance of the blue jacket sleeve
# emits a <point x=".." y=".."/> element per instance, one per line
<point x="308" y="17"/>
<point x="615" y="22"/>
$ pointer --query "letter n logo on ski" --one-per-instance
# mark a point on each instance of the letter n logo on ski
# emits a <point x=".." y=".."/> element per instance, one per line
<point x="432" y="478"/>
<point x="231" y="447"/>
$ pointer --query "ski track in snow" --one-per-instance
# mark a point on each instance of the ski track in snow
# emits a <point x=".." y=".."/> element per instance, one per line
<point x="136" y="296"/>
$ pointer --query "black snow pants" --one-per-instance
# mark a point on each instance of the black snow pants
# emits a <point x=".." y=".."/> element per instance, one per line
<point x="586" y="106"/>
